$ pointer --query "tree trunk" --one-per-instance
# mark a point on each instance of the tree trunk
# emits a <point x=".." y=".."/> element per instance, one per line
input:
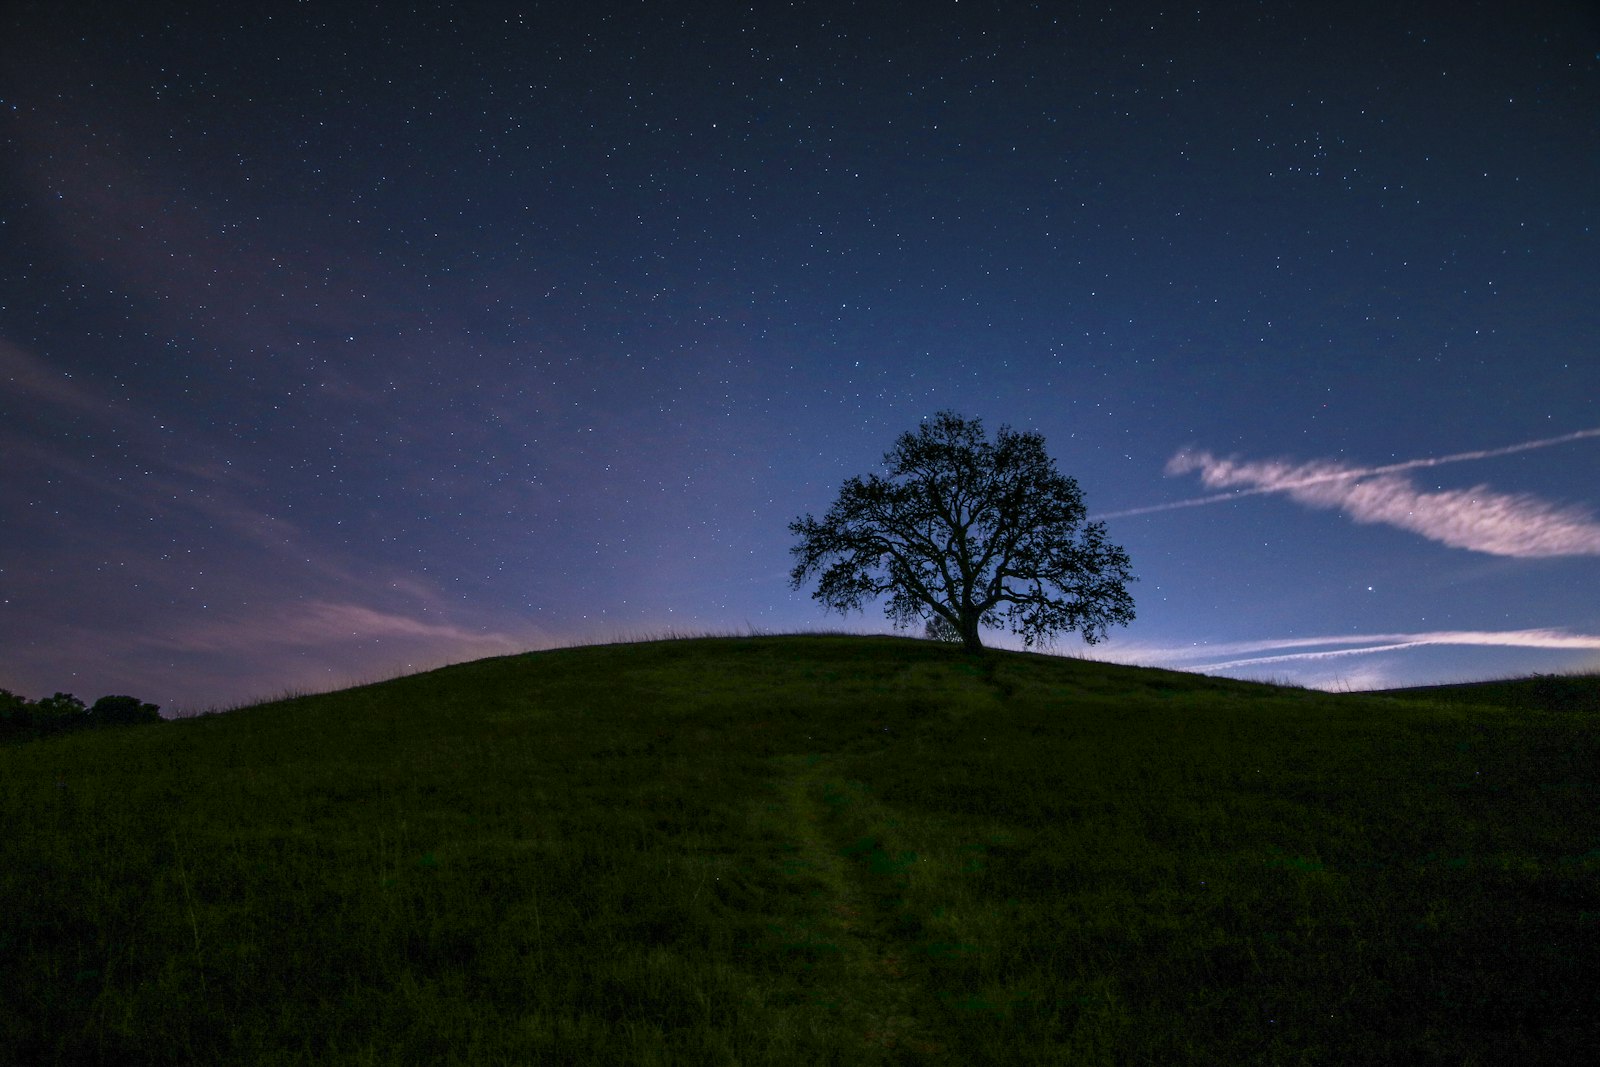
<point x="969" y="633"/>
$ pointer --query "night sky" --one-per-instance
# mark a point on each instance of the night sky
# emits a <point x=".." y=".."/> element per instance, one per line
<point x="344" y="340"/>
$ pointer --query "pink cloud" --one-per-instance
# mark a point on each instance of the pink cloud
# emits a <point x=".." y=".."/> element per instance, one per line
<point x="1478" y="519"/>
<point x="319" y="624"/>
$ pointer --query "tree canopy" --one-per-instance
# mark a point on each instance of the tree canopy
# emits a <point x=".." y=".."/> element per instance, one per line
<point x="968" y="531"/>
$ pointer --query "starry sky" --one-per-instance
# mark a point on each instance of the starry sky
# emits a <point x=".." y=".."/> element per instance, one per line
<point x="340" y="340"/>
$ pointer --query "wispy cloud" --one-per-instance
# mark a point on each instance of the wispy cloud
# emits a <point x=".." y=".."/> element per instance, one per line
<point x="321" y="624"/>
<point x="1243" y="654"/>
<point x="1479" y="519"/>
<point x="29" y="379"/>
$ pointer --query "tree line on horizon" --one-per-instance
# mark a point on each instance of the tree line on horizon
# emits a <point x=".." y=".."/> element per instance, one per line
<point x="22" y="719"/>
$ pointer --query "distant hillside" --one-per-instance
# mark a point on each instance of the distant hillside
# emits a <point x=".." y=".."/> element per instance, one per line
<point x="806" y="850"/>
<point x="1548" y="692"/>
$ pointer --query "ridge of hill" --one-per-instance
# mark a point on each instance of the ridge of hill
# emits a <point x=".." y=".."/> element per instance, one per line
<point x="816" y="849"/>
<point x="1548" y="692"/>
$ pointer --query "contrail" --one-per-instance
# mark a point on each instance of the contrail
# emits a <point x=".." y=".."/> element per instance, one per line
<point x="1177" y="464"/>
<point x="1371" y="643"/>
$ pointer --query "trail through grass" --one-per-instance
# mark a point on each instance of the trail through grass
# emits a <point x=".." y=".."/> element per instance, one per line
<point x="870" y="987"/>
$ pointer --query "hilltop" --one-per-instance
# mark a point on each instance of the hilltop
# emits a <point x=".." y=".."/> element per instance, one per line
<point x="1546" y="692"/>
<point x="817" y="849"/>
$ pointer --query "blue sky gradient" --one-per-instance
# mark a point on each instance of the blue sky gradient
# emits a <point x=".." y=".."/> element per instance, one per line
<point x="338" y="342"/>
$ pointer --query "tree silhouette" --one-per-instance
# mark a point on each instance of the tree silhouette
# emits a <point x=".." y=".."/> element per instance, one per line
<point x="16" y="715"/>
<point x="22" y="719"/>
<point x="63" y="711"/>
<point x="123" y="711"/>
<point x="971" y="532"/>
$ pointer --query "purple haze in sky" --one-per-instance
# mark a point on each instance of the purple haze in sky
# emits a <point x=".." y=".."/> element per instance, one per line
<point x="339" y="341"/>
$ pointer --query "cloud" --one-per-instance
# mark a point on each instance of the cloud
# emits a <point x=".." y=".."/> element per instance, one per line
<point x="320" y="624"/>
<point x="194" y="660"/>
<point x="1334" y="472"/>
<point x="1367" y="644"/>
<point x="32" y="380"/>
<point x="1478" y="519"/>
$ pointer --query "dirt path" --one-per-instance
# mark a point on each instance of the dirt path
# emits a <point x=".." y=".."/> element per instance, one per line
<point x="877" y="996"/>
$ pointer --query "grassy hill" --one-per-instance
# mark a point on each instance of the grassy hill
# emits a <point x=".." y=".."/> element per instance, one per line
<point x="1545" y="692"/>
<point x="807" y="850"/>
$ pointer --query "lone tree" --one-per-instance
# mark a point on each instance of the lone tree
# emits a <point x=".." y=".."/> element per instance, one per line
<point x="969" y="532"/>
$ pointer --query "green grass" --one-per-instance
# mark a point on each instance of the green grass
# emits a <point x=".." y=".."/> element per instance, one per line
<point x="807" y="850"/>
<point x="1548" y="692"/>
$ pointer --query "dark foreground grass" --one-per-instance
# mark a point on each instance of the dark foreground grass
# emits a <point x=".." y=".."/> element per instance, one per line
<point x="809" y="851"/>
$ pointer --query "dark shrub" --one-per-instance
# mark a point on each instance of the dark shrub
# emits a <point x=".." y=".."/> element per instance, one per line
<point x="123" y="711"/>
<point x="62" y="711"/>
<point x="16" y="715"/>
